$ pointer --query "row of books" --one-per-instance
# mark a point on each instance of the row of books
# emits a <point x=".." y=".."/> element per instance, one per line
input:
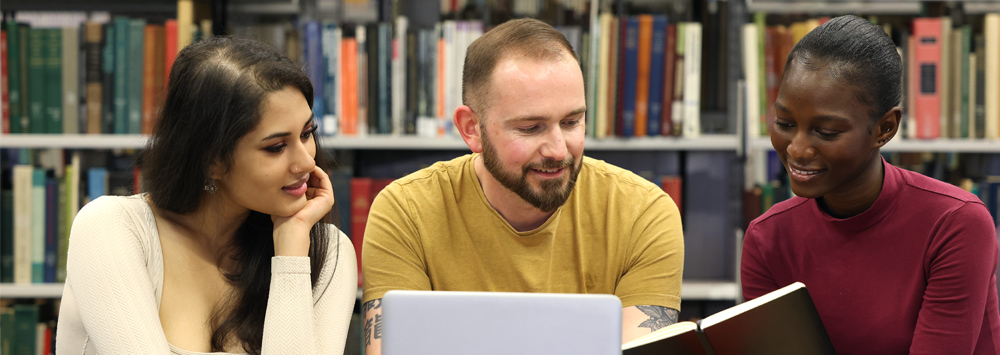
<point x="978" y="174"/>
<point x="28" y="328"/>
<point x="79" y="73"/>
<point x="951" y="74"/>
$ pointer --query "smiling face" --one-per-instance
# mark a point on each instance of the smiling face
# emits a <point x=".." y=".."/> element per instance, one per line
<point x="533" y="131"/>
<point x="271" y="164"/>
<point x="824" y="136"/>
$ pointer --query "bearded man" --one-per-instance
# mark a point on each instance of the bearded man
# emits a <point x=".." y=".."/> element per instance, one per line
<point x="526" y="212"/>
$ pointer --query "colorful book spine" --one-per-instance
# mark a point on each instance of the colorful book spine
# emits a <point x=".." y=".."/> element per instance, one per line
<point x="14" y="93"/>
<point x="136" y="38"/>
<point x="692" y="80"/>
<point x="37" y="42"/>
<point x="4" y="88"/>
<point x="643" y="59"/>
<point x="108" y="64"/>
<point x="657" y="67"/>
<point x="631" y="69"/>
<point x="51" y="219"/>
<point x="7" y="235"/>
<point x="927" y="62"/>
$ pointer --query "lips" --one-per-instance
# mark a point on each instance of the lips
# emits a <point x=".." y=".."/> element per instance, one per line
<point x="803" y="174"/>
<point x="297" y="188"/>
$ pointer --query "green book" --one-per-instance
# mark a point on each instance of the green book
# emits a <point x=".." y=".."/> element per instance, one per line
<point x="108" y="80"/>
<point x="14" y="73"/>
<point x="6" y="236"/>
<point x="37" y="40"/>
<point x="122" y="63"/>
<point x="136" y="52"/>
<point x="52" y="52"/>
<point x="760" y="20"/>
<point x="37" y="226"/>
<point x="7" y="336"/>
<point x="25" y="329"/>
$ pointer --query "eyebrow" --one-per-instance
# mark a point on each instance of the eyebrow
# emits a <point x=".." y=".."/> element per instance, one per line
<point x="779" y="106"/>
<point x="541" y="118"/>
<point x="312" y="117"/>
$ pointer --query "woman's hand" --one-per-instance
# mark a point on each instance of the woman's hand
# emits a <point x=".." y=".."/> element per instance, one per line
<point x="291" y="234"/>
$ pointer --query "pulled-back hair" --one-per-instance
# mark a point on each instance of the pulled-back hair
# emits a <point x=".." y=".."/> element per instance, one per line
<point x="857" y="53"/>
<point x="525" y="37"/>
<point x="216" y="94"/>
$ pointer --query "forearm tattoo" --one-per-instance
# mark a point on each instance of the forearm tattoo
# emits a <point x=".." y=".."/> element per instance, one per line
<point x="659" y="317"/>
<point x="373" y="325"/>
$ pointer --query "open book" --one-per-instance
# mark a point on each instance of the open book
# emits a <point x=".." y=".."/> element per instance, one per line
<point x="784" y="321"/>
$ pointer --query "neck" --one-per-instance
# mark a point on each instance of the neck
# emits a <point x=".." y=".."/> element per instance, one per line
<point x="210" y="228"/>
<point x="859" y="195"/>
<point x="516" y="211"/>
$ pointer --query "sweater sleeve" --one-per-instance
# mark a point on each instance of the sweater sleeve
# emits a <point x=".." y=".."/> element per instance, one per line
<point x="107" y="273"/>
<point x="755" y="278"/>
<point x="305" y="320"/>
<point x="960" y="262"/>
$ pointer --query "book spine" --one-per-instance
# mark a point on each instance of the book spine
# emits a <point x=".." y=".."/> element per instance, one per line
<point x="51" y="220"/>
<point x="23" y="200"/>
<point x="4" y="87"/>
<point x="656" y="77"/>
<point x="70" y="62"/>
<point x="360" y="206"/>
<point x="38" y="226"/>
<point x="37" y="42"/>
<point x="25" y="328"/>
<point x="330" y="48"/>
<point x="7" y="236"/>
<point x="631" y="72"/>
<point x="108" y="103"/>
<point x="15" y="97"/>
<point x="148" y="83"/>
<point x="692" y="80"/>
<point x="169" y="49"/>
<point x="136" y="64"/>
<point x="992" y="66"/>
<point x="53" y="100"/>
<point x="314" y="67"/>
<point x="603" y="63"/>
<point x="927" y="62"/>
<point x="963" y="102"/>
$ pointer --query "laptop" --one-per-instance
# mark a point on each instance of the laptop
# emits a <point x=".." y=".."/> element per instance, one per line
<point x="453" y="323"/>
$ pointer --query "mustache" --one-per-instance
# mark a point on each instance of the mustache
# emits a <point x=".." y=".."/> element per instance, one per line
<point x="549" y="164"/>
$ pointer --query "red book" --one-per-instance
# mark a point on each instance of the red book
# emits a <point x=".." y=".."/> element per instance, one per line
<point x="361" y="203"/>
<point x="927" y="61"/>
<point x="670" y="55"/>
<point x="349" y="77"/>
<point x="170" y="49"/>
<point x="4" y="95"/>
<point x="673" y="186"/>
<point x="611" y="110"/>
<point x="151" y="75"/>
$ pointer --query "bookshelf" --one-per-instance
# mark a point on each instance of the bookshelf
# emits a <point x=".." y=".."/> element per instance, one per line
<point x="690" y="290"/>
<point x="942" y="145"/>
<point x="836" y="7"/>
<point x="722" y="142"/>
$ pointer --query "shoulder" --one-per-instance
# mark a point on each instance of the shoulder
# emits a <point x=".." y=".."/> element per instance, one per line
<point x="110" y="213"/>
<point x="599" y="174"/>
<point x="438" y="173"/>
<point x="784" y="209"/>
<point x="937" y="191"/>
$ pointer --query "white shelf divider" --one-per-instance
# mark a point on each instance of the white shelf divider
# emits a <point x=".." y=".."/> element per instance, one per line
<point x="942" y="145"/>
<point x="47" y="290"/>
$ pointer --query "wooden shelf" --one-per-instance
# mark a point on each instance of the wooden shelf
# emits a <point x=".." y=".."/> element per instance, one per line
<point x="118" y="141"/>
<point x="913" y="145"/>
<point x="49" y="290"/>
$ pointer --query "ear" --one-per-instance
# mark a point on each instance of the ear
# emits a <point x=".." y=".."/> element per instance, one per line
<point x="216" y="170"/>
<point x="467" y="123"/>
<point x="887" y="126"/>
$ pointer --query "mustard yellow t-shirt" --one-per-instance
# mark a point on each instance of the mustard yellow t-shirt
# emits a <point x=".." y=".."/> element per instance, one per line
<point x="616" y="234"/>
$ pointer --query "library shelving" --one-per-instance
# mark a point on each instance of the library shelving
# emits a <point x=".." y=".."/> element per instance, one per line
<point x="694" y="290"/>
<point x="941" y="145"/>
<point x="722" y="142"/>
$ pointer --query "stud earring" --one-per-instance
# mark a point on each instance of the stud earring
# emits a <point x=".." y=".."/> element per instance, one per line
<point x="210" y="186"/>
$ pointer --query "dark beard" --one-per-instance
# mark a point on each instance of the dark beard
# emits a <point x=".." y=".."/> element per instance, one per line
<point x="553" y="194"/>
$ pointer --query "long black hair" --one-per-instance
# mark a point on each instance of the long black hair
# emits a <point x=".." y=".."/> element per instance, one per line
<point x="858" y="53"/>
<point x="215" y="97"/>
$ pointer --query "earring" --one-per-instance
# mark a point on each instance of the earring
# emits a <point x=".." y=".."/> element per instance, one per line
<point x="210" y="186"/>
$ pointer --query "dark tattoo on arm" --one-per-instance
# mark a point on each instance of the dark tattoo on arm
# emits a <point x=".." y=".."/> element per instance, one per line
<point x="373" y="325"/>
<point x="659" y="317"/>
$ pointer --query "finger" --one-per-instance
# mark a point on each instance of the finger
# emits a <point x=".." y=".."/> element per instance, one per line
<point x="320" y="179"/>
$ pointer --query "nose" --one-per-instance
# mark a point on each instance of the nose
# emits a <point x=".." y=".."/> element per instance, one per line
<point x="555" y="145"/>
<point x="800" y="148"/>
<point x="304" y="157"/>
